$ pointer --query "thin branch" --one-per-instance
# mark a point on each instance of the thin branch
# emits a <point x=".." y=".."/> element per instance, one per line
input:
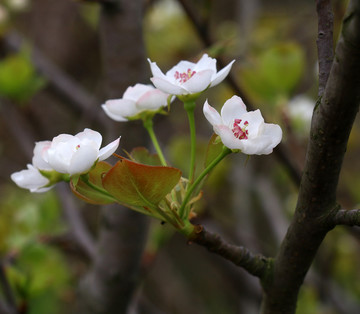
<point x="325" y="41"/>
<point x="75" y="221"/>
<point x="347" y="217"/>
<point x="7" y="290"/>
<point x="280" y="151"/>
<point x="257" y="265"/>
<point x="62" y="83"/>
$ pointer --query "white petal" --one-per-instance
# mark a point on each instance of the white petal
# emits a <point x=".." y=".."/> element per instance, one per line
<point x="167" y="87"/>
<point x="220" y="76"/>
<point x="255" y="120"/>
<point x="227" y="137"/>
<point x="39" y="152"/>
<point x="135" y="92"/>
<point x="198" y="82"/>
<point x="122" y="108"/>
<point x="108" y="150"/>
<point x="112" y="115"/>
<point x="30" y="179"/>
<point x="211" y="114"/>
<point x="90" y="135"/>
<point x="233" y="108"/>
<point x="205" y="63"/>
<point x="155" y="70"/>
<point x="83" y="159"/>
<point x="153" y="99"/>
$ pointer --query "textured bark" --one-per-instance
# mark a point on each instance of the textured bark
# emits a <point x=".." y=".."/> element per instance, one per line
<point x="333" y="117"/>
<point x="109" y="286"/>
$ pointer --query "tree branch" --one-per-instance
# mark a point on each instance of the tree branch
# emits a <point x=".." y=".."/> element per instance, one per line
<point x="75" y="221"/>
<point x="324" y="41"/>
<point x="332" y="121"/>
<point x="256" y="265"/>
<point x="280" y="151"/>
<point x="347" y="217"/>
<point x="61" y="83"/>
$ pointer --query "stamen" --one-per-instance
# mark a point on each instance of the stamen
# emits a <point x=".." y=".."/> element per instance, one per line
<point x="240" y="132"/>
<point x="185" y="76"/>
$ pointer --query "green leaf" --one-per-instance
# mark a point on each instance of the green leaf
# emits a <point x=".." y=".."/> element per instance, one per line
<point x="88" y="194"/>
<point x="137" y="184"/>
<point x="18" y="78"/>
<point x="141" y="155"/>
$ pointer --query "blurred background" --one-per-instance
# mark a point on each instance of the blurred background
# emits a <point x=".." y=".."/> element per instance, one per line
<point x="60" y="60"/>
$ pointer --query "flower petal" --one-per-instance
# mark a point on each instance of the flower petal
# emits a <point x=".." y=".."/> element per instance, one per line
<point x="233" y="108"/>
<point x="211" y="114"/>
<point x="39" y="152"/>
<point x="120" y="109"/>
<point x="181" y="67"/>
<point x="155" y="70"/>
<point x="153" y="100"/>
<point x="135" y="92"/>
<point x="198" y="82"/>
<point x="220" y="76"/>
<point x="205" y="63"/>
<point x="227" y="137"/>
<point x="90" y="135"/>
<point x="30" y="179"/>
<point x="256" y="121"/>
<point x="167" y="87"/>
<point x="83" y="159"/>
<point x="108" y="150"/>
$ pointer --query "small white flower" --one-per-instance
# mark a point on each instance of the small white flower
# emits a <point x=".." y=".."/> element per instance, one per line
<point x="189" y="78"/>
<point x="76" y="154"/>
<point x="31" y="179"/>
<point x="136" y="99"/>
<point x="243" y="130"/>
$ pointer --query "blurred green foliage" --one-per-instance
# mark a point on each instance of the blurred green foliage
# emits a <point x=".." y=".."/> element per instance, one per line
<point x="18" y="79"/>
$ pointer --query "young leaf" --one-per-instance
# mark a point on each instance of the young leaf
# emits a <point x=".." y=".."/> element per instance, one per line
<point x="136" y="184"/>
<point x="142" y="155"/>
<point x="82" y="190"/>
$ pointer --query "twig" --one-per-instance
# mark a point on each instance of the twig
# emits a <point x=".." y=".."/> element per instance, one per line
<point x="347" y="217"/>
<point x="257" y="265"/>
<point x="63" y="84"/>
<point x="325" y="41"/>
<point x="75" y="221"/>
<point x="280" y="151"/>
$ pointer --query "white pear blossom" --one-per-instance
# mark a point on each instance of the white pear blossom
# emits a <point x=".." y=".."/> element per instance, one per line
<point x="76" y="154"/>
<point x="243" y="130"/>
<point x="31" y="179"/>
<point x="136" y="99"/>
<point x="187" y="78"/>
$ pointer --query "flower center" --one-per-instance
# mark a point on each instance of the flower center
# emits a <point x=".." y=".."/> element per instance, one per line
<point x="184" y="76"/>
<point x="240" y="132"/>
<point x="77" y="147"/>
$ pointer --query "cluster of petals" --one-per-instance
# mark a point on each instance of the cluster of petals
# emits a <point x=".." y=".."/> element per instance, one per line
<point x="66" y="154"/>
<point x="243" y="130"/>
<point x="189" y="78"/>
<point x="136" y="99"/>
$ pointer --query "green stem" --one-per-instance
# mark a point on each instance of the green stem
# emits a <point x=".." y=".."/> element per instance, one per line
<point x="85" y="178"/>
<point x="190" y="107"/>
<point x="182" y="212"/>
<point x="148" y="125"/>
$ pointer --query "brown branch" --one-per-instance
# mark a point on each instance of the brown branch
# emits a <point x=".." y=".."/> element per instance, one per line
<point x="333" y="118"/>
<point x="347" y="217"/>
<point x="324" y="41"/>
<point x="280" y="151"/>
<point x="62" y="84"/>
<point x="257" y="265"/>
<point x="76" y="223"/>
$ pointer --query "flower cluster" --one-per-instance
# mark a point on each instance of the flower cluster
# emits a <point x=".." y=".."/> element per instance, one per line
<point x="65" y="156"/>
<point x="144" y="182"/>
